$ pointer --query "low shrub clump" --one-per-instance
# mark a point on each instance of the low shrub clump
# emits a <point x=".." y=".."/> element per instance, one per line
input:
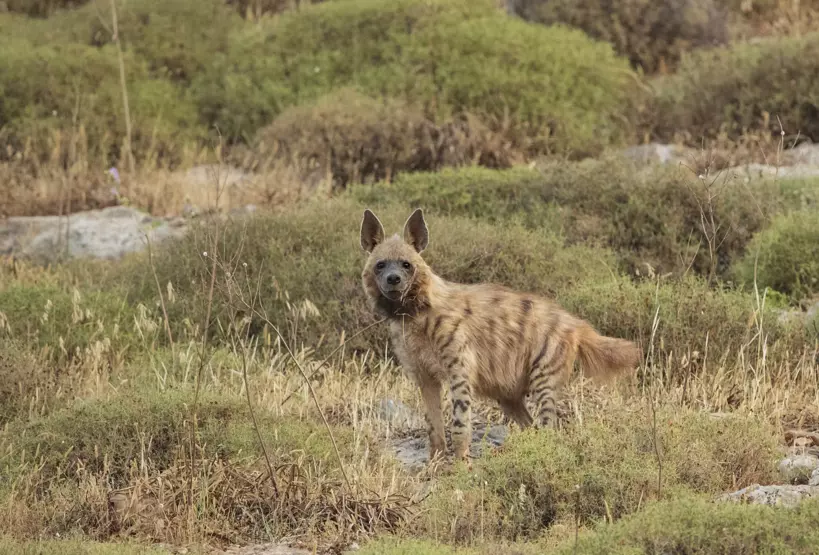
<point x="653" y="35"/>
<point x="64" y="322"/>
<point x="312" y="254"/>
<point x="41" y="8"/>
<point x="785" y="256"/>
<point x="354" y="138"/>
<point x="62" y="103"/>
<point x="652" y="217"/>
<point x="110" y="436"/>
<point x="709" y="94"/>
<point x="699" y="526"/>
<point x="605" y="468"/>
<point x="550" y="101"/>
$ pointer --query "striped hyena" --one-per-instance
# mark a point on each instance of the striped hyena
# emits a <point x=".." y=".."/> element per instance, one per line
<point x="482" y="340"/>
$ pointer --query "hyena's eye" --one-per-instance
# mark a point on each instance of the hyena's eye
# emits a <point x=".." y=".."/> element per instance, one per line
<point x="407" y="266"/>
<point x="380" y="266"/>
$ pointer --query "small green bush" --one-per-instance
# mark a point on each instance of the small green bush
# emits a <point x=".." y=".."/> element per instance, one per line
<point x="12" y="546"/>
<point x="62" y="322"/>
<point x="699" y="527"/>
<point x="530" y="482"/>
<point x="258" y="8"/>
<point x="41" y="8"/>
<point x="111" y="435"/>
<point x="355" y="138"/>
<point x="66" y="99"/>
<point x="741" y="88"/>
<point x="549" y="89"/>
<point x="785" y="256"/>
<point x="176" y="38"/>
<point x="314" y="253"/>
<point x="651" y="34"/>
<point x="647" y="215"/>
<point x="25" y="378"/>
<point x="691" y="315"/>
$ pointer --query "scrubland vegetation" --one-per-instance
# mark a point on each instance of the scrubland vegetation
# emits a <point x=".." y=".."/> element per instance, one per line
<point x="162" y="401"/>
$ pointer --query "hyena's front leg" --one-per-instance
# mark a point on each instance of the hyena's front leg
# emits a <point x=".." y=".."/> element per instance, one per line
<point x="431" y="393"/>
<point x="461" y="406"/>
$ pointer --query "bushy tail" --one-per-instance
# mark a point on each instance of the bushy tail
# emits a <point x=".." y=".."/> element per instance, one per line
<point x="603" y="357"/>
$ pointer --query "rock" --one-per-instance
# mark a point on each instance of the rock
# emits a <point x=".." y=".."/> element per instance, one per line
<point x="805" y="153"/>
<point x="265" y="549"/>
<point x="797" y="469"/>
<point x="757" y="171"/>
<point x="658" y="153"/>
<point x="778" y="496"/>
<point x="109" y="233"/>
<point x="413" y="452"/>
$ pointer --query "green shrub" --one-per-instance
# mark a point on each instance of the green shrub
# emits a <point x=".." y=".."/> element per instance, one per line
<point x="64" y="101"/>
<point x="699" y="527"/>
<point x="27" y="382"/>
<point x="394" y="546"/>
<point x="651" y="34"/>
<point x="258" y="8"/>
<point x="355" y="138"/>
<point x="647" y="215"/>
<point x="314" y="253"/>
<point x="111" y="435"/>
<point x="549" y="89"/>
<point x="710" y="93"/>
<point x="177" y="38"/>
<point x="11" y="546"/>
<point x="64" y="323"/>
<point x="41" y="8"/>
<point x="691" y="315"/>
<point x="785" y="256"/>
<point x="530" y="482"/>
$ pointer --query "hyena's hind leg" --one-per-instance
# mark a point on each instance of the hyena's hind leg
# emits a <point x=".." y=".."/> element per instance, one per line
<point x="549" y="372"/>
<point x="517" y="412"/>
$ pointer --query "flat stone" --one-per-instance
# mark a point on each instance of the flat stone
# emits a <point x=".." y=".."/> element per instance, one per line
<point x="758" y="171"/>
<point x="797" y="468"/>
<point x="109" y="233"/>
<point x="658" y="153"/>
<point x="805" y="153"/>
<point x="413" y="452"/>
<point x="776" y="496"/>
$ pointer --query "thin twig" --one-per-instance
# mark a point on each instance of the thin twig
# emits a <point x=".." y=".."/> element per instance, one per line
<point x="161" y="298"/>
<point x="129" y="155"/>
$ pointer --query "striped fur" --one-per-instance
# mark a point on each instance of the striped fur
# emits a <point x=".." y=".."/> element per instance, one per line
<point x="480" y="340"/>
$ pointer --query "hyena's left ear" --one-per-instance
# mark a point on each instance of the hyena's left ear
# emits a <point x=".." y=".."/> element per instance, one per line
<point x="372" y="232"/>
<point x="415" y="231"/>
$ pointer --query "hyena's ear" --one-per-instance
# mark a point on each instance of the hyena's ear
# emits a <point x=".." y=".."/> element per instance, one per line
<point x="415" y="231"/>
<point x="372" y="232"/>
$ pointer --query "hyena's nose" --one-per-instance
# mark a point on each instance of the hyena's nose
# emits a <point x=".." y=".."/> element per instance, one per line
<point x="393" y="279"/>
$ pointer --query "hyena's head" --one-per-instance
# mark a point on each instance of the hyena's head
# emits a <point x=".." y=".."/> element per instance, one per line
<point x="395" y="277"/>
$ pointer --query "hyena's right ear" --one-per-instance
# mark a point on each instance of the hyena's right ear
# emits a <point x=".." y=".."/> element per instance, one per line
<point x="372" y="232"/>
